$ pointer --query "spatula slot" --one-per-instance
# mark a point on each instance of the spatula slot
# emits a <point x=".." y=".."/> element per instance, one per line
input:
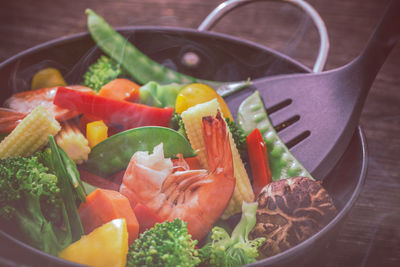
<point x="298" y="139"/>
<point x="279" y="106"/>
<point x="287" y="123"/>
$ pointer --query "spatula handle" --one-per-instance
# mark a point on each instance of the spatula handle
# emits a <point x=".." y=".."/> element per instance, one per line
<point x="380" y="44"/>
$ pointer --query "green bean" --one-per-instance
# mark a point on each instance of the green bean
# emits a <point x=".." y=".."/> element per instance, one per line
<point x="138" y="65"/>
<point x="114" y="153"/>
<point x="283" y="164"/>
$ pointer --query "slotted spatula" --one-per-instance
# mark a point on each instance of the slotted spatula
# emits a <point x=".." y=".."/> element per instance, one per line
<point x="323" y="109"/>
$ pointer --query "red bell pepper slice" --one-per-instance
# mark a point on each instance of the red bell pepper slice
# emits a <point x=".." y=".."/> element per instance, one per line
<point x="146" y="217"/>
<point x="127" y="114"/>
<point x="258" y="158"/>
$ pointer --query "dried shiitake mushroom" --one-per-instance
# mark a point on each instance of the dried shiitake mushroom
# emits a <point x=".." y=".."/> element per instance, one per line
<point x="289" y="211"/>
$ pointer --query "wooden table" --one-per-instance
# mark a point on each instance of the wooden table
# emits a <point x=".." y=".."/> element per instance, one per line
<point x="370" y="235"/>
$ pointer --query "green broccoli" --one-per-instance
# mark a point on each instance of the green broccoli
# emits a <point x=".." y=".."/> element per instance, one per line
<point x="234" y="250"/>
<point x="239" y="136"/>
<point x="177" y="124"/>
<point x="31" y="203"/>
<point x="166" y="244"/>
<point x="104" y="70"/>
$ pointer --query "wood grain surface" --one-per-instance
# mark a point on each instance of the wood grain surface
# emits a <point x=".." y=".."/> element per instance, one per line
<point x="370" y="236"/>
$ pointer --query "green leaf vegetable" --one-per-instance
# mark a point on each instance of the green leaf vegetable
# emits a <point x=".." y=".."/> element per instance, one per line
<point x="167" y="244"/>
<point x="31" y="202"/>
<point x="73" y="175"/>
<point x="154" y="94"/>
<point x="67" y="189"/>
<point x="101" y="72"/>
<point x="237" y="249"/>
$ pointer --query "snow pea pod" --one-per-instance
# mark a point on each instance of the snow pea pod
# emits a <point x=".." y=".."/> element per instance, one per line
<point x="137" y="64"/>
<point x="283" y="164"/>
<point x="114" y="153"/>
<point x="142" y="68"/>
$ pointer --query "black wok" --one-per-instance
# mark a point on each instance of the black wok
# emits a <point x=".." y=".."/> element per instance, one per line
<point x="222" y="58"/>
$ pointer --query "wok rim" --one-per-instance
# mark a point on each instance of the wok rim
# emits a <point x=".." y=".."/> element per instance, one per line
<point x="278" y="258"/>
<point x="74" y="37"/>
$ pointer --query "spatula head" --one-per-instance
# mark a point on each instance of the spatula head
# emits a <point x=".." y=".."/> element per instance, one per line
<point x="313" y="114"/>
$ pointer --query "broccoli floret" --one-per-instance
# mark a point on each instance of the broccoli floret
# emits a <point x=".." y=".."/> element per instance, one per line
<point x="101" y="72"/>
<point x="177" y="124"/>
<point x="234" y="250"/>
<point x="30" y="201"/>
<point x="239" y="136"/>
<point x="166" y="244"/>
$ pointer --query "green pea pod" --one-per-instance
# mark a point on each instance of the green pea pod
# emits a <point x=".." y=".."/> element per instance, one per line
<point x="142" y="68"/>
<point x="137" y="64"/>
<point x="156" y="95"/>
<point x="114" y="153"/>
<point x="283" y="164"/>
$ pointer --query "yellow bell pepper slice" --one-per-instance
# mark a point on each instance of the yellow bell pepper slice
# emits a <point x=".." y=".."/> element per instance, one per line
<point x="46" y="78"/>
<point x="105" y="246"/>
<point x="96" y="132"/>
<point x="197" y="93"/>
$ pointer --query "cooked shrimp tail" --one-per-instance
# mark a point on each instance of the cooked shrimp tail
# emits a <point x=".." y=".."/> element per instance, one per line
<point x="218" y="148"/>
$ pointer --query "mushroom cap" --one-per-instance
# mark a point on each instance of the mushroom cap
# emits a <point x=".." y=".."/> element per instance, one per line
<point x="290" y="211"/>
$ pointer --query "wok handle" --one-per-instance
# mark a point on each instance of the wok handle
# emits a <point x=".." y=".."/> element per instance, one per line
<point x="221" y="10"/>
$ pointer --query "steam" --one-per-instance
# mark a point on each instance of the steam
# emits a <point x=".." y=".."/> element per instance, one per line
<point x="20" y="79"/>
<point x="206" y="65"/>
<point x="292" y="45"/>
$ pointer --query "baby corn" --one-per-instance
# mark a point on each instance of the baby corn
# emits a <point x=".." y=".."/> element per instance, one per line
<point x="74" y="143"/>
<point x="30" y="134"/>
<point x="192" y="119"/>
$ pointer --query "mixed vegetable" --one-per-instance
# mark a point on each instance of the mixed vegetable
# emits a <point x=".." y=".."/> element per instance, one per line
<point x="138" y="166"/>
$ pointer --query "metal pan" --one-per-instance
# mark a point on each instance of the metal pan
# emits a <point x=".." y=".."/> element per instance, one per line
<point x="223" y="58"/>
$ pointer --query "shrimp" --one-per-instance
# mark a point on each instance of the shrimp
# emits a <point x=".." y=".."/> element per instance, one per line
<point x="20" y="104"/>
<point x="198" y="197"/>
